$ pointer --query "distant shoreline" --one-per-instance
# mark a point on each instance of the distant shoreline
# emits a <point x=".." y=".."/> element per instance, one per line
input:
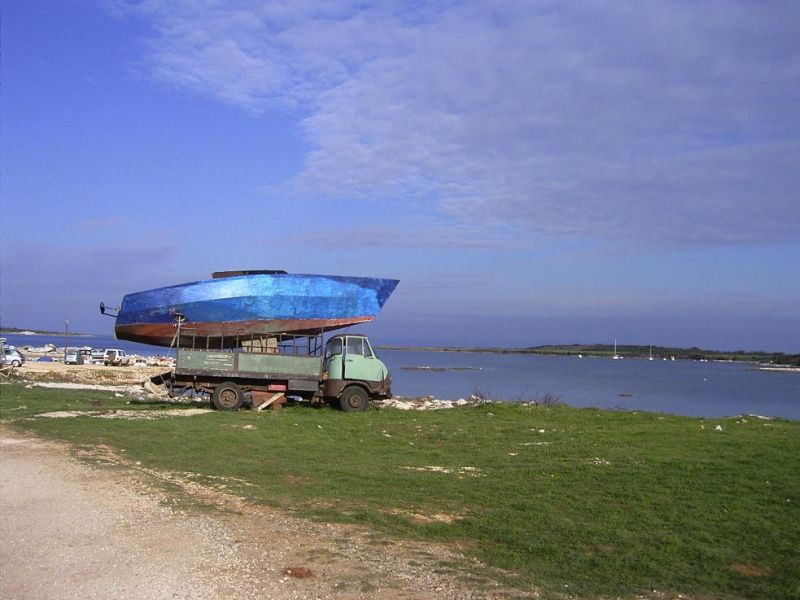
<point x="624" y="352"/>
<point x="26" y="332"/>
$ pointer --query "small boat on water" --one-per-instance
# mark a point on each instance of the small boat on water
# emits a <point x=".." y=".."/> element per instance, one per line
<point x="250" y="303"/>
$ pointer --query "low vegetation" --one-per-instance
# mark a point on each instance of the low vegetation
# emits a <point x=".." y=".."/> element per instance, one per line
<point x="571" y="502"/>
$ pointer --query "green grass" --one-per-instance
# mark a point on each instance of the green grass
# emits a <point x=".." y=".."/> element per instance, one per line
<point x="607" y="503"/>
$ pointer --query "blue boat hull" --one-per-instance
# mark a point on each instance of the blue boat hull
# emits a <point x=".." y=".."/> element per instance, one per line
<point x="251" y="305"/>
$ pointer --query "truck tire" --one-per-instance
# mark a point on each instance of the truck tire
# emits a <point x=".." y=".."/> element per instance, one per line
<point x="354" y="399"/>
<point x="226" y="396"/>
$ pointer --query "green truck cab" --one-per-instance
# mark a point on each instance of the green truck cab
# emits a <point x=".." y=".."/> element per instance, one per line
<point x="348" y="372"/>
<point x="352" y="373"/>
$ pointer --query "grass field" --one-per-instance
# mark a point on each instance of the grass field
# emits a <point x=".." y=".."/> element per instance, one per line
<point x="570" y="501"/>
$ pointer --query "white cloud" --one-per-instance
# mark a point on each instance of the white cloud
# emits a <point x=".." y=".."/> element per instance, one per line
<point x="665" y="122"/>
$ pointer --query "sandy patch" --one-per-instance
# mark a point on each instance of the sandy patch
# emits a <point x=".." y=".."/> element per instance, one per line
<point x="131" y="415"/>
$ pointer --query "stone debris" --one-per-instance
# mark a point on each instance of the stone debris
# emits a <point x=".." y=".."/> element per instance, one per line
<point x="124" y="389"/>
<point x="147" y="415"/>
<point x="152" y="389"/>
<point x="428" y="403"/>
<point x="471" y="471"/>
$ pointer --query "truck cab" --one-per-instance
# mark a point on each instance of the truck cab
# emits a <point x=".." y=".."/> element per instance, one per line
<point x="353" y="373"/>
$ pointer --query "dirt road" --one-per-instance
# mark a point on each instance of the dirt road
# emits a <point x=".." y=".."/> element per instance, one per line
<point x="106" y="529"/>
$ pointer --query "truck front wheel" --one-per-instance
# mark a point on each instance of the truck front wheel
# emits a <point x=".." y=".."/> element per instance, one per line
<point x="354" y="399"/>
<point x="226" y="396"/>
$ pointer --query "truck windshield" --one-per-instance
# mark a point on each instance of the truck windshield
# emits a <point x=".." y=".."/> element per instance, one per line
<point x="358" y="345"/>
<point x="334" y="347"/>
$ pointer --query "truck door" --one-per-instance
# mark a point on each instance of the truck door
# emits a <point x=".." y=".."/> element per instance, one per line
<point x="359" y="360"/>
<point x="333" y="358"/>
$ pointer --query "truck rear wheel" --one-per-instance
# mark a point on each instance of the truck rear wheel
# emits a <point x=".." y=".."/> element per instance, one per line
<point x="354" y="399"/>
<point x="227" y="396"/>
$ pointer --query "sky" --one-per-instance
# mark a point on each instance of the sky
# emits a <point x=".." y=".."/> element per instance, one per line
<point x="532" y="172"/>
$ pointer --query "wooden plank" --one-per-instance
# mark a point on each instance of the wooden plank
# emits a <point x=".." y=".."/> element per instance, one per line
<point x="262" y="400"/>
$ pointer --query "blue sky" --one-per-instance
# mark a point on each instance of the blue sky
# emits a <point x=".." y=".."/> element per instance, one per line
<point x="532" y="172"/>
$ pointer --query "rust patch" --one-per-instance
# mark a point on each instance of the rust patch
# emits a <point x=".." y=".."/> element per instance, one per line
<point x="163" y="334"/>
<point x="751" y="570"/>
<point x="298" y="572"/>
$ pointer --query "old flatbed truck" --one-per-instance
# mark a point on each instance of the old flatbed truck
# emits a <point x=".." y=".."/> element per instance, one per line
<point x="260" y="369"/>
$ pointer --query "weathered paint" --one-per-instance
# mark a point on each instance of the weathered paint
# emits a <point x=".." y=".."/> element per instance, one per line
<point x="163" y="334"/>
<point x="252" y="304"/>
<point x="244" y="364"/>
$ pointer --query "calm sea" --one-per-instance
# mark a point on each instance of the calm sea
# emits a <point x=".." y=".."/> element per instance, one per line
<point x="707" y="389"/>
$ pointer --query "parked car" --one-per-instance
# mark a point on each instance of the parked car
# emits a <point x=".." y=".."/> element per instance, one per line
<point x="98" y="356"/>
<point x="14" y="357"/>
<point x="72" y="357"/>
<point x="115" y="357"/>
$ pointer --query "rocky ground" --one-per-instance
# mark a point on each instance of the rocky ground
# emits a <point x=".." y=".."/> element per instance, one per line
<point x="94" y="525"/>
<point x="88" y="374"/>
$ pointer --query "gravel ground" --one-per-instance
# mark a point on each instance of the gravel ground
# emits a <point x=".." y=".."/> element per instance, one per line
<point x="104" y="528"/>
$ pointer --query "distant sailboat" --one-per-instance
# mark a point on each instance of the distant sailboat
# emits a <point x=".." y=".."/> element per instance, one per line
<point x="616" y="356"/>
<point x="651" y="352"/>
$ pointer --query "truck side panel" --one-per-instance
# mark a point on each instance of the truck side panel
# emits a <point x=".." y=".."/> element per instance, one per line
<point x="299" y="366"/>
<point x="205" y="361"/>
<point x="246" y="364"/>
